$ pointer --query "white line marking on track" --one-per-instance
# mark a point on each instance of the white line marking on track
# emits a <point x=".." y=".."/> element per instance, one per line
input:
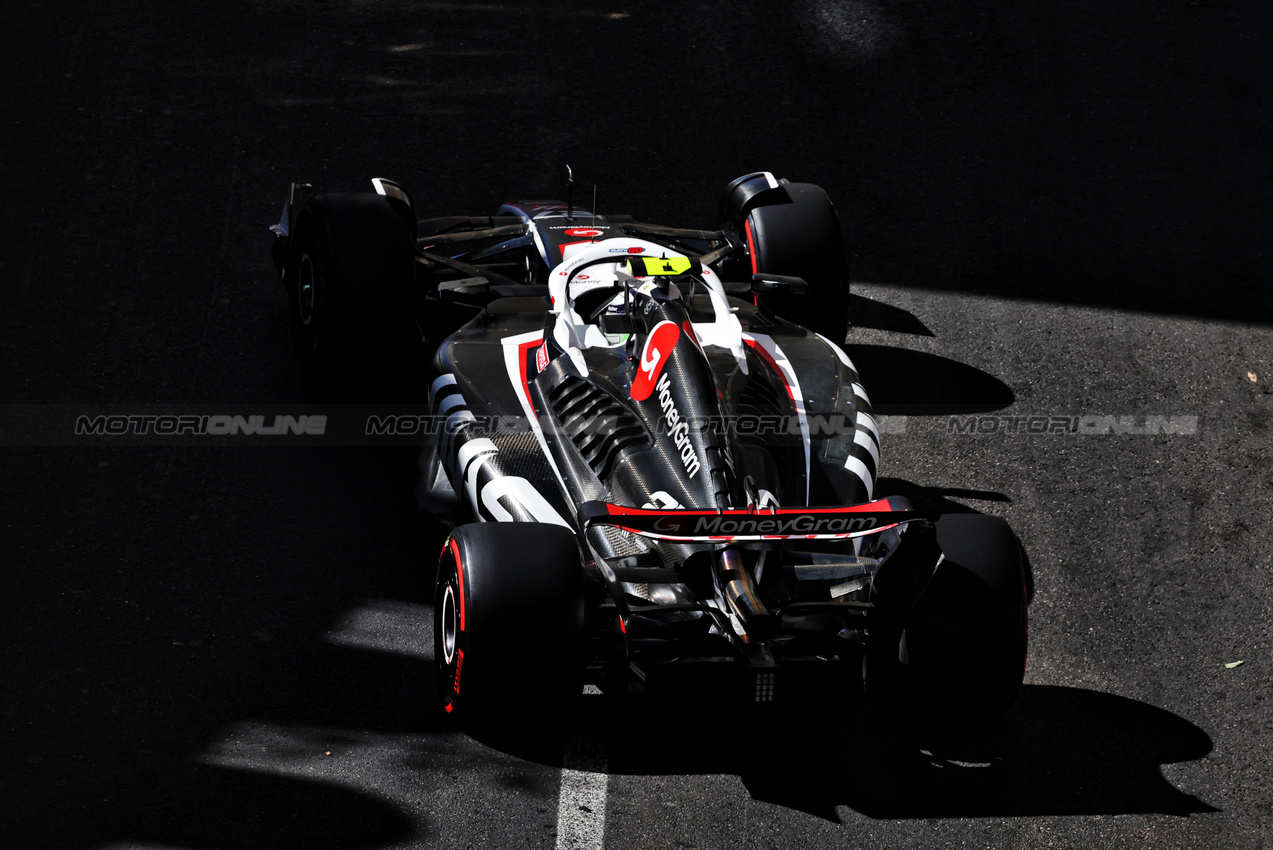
<point x="581" y="807"/>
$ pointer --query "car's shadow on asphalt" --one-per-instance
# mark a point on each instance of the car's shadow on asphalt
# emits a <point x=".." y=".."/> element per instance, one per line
<point x="1059" y="751"/>
<point x="206" y="717"/>
<point x="219" y="691"/>
<point x="868" y="313"/>
<point x="936" y="498"/>
<point x="915" y="383"/>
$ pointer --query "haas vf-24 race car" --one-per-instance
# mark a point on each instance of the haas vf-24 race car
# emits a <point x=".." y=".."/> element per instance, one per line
<point x="659" y="461"/>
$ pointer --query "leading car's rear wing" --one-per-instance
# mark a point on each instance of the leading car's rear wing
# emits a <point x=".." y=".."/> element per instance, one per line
<point x="695" y="526"/>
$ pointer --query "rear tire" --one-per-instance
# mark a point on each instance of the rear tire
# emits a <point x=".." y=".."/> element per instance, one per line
<point x="508" y="627"/>
<point x="957" y="653"/>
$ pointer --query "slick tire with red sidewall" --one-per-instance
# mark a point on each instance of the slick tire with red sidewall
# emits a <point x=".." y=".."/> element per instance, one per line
<point x="508" y="625"/>
<point x="802" y="237"/>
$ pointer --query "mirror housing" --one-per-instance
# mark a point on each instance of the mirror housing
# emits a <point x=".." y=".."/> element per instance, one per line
<point x="765" y="282"/>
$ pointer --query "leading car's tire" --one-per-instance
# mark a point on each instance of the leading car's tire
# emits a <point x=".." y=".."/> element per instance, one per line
<point x="350" y="281"/>
<point x="957" y="651"/>
<point x="508" y="625"/>
<point x="794" y="230"/>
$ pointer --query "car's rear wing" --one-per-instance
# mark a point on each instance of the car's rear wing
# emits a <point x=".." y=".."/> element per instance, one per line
<point x="697" y="526"/>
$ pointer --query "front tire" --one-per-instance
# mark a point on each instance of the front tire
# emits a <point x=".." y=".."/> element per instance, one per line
<point x="793" y="229"/>
<point x="350" y="282"/>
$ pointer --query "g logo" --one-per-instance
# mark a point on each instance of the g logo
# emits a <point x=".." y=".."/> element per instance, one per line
<point x="658" y="347"/>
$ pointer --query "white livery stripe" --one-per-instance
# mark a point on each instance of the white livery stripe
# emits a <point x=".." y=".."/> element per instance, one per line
<point x="473" y="468"/>
<point x="864" y="440"/>
<point x="867" y="421"/>
<point x="447" y="380"/>
<point x="858" y="468"/>
<point x="513" y="365"/>
<point x="453" y="423"/>
<point x="444" y="406"/>
<point x="839" y="352"/>
<point x="860" y="392"/>
<point x="524" y="495"/>
<point x="450" y="433"/>
<point x="788" y="375"/>
<point x="467" y="469"/>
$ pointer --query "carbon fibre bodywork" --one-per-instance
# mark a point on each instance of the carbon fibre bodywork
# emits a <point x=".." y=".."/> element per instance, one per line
<point x="636" y="385"/>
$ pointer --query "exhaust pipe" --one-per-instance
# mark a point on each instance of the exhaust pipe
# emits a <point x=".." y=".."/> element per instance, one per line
<point x="740" y="592"/>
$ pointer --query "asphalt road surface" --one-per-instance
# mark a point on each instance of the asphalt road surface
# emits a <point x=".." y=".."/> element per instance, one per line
<point x="1059" y="225"/>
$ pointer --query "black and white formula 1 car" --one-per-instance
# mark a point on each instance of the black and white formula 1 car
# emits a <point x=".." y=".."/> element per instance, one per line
<point x="660" y="460"/>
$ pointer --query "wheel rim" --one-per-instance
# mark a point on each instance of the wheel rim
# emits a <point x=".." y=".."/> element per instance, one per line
<point x="449" y="621"/>
<point x="305" y="290"/>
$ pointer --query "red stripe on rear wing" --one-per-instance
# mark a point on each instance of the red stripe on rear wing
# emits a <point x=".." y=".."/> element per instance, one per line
<point x="745" y="524"/>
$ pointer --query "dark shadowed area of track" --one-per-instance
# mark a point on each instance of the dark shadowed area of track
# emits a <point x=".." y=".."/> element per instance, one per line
<point x="1054" y="212"/>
